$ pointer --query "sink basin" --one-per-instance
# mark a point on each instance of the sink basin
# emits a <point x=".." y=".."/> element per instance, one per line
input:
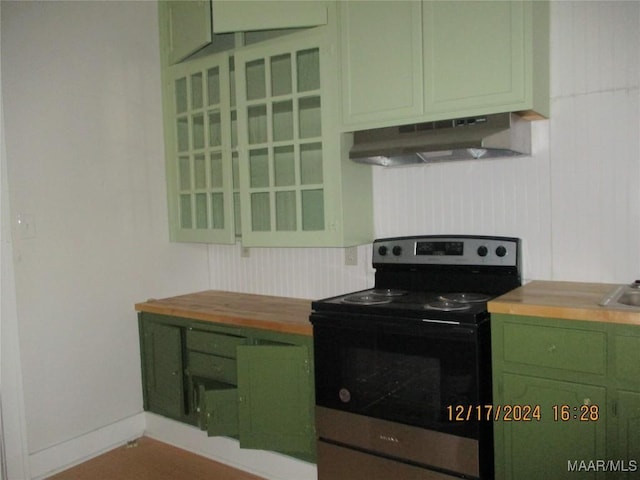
<point x="631" y="298"/>
<point x="624" y="296"/>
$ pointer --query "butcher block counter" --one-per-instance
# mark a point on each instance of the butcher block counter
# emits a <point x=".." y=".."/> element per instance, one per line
<point x="567" y="300"/>
<point x="280" y="314"/>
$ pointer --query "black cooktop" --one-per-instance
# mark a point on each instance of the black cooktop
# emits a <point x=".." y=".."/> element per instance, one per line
<point x="454" y="307"/>
<point x="440" y="278"/>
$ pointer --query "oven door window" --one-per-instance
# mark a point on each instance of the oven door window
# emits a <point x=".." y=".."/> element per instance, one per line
<point x="387" y="372"/>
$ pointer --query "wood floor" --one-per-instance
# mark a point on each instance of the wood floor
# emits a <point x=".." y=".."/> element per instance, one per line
<point x="149" y="459"/>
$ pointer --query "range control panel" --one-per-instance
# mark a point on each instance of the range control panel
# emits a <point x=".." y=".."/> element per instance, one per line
<point x="448" y="250"/>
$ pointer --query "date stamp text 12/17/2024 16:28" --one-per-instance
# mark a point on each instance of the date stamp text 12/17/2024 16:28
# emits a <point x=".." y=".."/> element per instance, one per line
<point x="522" y="413"/>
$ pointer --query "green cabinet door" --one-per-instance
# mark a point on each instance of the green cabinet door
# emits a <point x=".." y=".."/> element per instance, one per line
<point x="163" y="369"/>
<point x="280" y="134"/>
<point x="527" y="450"/>
<point x="218" y="408"/>
<point x="249" y="15"/>
<point x="479" y="57"/>
<point x="276" y="399"/>
<point x="200" y="150"/>
<point x="297" y="185"/>
<point x="381" y="60"/>
<point x="624" y="437"/>
<point x="187" y="26"/>
<point x="627" y="435"/>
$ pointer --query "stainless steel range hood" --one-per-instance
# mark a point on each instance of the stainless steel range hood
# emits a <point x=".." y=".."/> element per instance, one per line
<point x="487" y="136"/>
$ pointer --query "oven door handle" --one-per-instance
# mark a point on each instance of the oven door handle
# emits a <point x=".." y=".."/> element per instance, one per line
<point x="440" y="322"/>
<point x="447" y="329"/>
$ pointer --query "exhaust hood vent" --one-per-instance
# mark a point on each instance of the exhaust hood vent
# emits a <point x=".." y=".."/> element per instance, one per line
<point x="488" y="136"/>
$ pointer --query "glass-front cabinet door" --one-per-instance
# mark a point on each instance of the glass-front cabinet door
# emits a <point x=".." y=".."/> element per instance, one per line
<point x="254" y="149"/>
<point x="201" y="152"/>
<point x="281" y="142"/>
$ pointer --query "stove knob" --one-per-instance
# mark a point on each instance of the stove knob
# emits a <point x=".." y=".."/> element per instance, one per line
<point x="501" y="251"/>
<point x="483" y="251"/>
<point x="383" y="250"/>
<point x="397" y="250"/>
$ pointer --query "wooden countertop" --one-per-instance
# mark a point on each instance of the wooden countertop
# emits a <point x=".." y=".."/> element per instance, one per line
<point x="286" y="315"/>
<point x="567" y="300"/>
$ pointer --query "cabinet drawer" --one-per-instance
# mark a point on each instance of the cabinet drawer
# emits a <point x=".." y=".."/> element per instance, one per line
<point x="213" y="367"/>
<point x="561" y="348"/>
<point x="627" y="355"/>
<point x="214" y="343"/>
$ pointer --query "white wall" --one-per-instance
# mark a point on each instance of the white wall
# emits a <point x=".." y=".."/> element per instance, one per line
<point x="81" y="97"/>
<point x="12" y="420"/>
<point x="575" y="202"/>
<point x="83" y="128"/>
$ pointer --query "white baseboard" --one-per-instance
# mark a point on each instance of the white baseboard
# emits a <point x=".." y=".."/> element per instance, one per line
<point x="72" y="452"/>
<point x="270" y="465"/>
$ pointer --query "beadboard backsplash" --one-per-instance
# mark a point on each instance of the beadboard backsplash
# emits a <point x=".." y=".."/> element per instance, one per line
<point x="575" y="202"/>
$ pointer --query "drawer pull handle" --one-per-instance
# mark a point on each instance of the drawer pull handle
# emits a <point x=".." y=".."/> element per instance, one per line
<point x="551" y="348"/>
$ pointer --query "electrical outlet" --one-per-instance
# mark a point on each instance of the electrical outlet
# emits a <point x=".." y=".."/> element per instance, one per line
<point x="245" y="252"/>
<point x="351" y="256"/>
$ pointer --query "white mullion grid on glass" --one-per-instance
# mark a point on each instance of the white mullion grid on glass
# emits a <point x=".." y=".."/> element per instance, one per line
<point x="206" y="111"/>
<point x="195" y="152"/>
<point x="233" y="108"/>
<point x="179" y="154"/>
<point x="254" y="147"/>
<point x="208" y="148"/>
<point x="309" y="94"/>
<point x="268" y="102"/>
<point x="211" y="189"/>
<point x="296" y="138"/>
<point x="189" y="152"/>
<point x="181" y="192"/>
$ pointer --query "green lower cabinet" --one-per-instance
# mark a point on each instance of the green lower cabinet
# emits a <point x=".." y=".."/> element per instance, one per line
<point x="543" y="448"/>
<point x="162" y="369"/>
<point x="250" y="384"/>
<point x="585" y="378"/>
<point x="276" y="399"/>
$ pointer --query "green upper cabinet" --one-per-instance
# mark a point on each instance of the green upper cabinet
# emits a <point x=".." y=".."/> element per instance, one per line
<point x="192" y="25"/>
<point x="253" y="145"/>
<point x="469" y="58"/>
<point x="251" y="15"/>
<point x="188" y="25"/>
<point x="487" y="65"/>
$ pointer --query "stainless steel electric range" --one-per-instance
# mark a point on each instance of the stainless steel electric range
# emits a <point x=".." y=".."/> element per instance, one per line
<point x="394" y="364"/>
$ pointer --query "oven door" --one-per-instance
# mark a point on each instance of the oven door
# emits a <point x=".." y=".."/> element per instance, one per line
<point x="414" y="372"/>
